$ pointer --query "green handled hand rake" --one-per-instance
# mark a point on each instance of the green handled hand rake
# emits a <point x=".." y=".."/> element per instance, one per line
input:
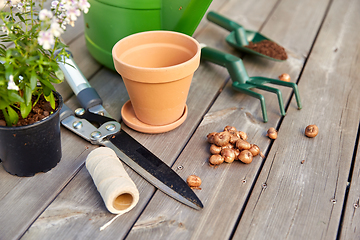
<point x="243" y="83"/>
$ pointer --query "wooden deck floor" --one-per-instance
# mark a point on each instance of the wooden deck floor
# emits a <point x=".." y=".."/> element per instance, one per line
<point x="305" y="188"/>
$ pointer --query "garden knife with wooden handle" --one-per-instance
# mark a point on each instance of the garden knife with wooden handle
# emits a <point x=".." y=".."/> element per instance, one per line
<point x="109" y="134"/>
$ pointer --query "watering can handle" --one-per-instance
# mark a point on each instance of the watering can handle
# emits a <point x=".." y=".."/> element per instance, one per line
<point x="233" y="64"/>
<point x="237" y="29"/>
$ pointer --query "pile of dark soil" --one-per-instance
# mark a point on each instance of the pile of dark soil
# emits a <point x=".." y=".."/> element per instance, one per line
<point x="41" y="110"/>
<point x="269" y="49"/>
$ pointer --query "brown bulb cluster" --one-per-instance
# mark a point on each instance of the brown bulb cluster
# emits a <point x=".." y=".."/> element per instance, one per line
<point x="230" y="145"/>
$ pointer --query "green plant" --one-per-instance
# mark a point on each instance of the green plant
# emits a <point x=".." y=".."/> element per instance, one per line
<point x="29" y="66"/>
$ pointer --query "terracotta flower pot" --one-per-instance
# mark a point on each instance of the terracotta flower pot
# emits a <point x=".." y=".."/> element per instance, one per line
<point x="157" y="68"/>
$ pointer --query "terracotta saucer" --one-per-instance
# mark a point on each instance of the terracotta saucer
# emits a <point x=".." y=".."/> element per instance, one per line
<point x="129" y="118"/>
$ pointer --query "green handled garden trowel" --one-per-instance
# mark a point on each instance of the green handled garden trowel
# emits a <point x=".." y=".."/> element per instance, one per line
<point x="240" y="38"/>
<point x="243" y="83"/>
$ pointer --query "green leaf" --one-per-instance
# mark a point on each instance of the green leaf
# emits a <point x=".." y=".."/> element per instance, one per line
<point x="27" y="96"/>
<point x="46" y="90"/>
<point x="3" y="103"/>
<point x="15" y="97"/>
<point x="33" y="80"/>
<point x="47" y="84"/>
<point x="7" y="118"/>
<point x="25" y="110"/>
<point x="13" y="116"/>
<point x="54" y="80"/>
<point x="51" y="99"/>
<point x="20" y="17"/>
<point x="9" y="70"/>
<point x="2" y="49"/>
<point x="60" y="75"/>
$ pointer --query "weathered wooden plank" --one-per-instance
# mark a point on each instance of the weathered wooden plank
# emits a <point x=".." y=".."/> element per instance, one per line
<point x="168" y="220"/>
<point x="214" y="6"/>
<point x="23" y="199"/>
<point x="304" y="200"/>
<point x="78" y="214"/>
<point x="350" y="226"/>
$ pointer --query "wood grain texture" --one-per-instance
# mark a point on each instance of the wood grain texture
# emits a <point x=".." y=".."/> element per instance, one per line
<point x="300" y="191"/>
<point x="350" y="226"/>
<point x="170" y="220"/>
<point x="167" y="146"/>
<point x="22" y="200"/>
<point x="151" y="141"/>
<point x="28" y="197"/>
<point x="297" y="192"/>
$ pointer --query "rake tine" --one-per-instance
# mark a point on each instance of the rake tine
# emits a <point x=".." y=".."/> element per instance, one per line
<point x="262" y="80"/>
<point x="274" y="90"/>
<point x="244" y="88"/>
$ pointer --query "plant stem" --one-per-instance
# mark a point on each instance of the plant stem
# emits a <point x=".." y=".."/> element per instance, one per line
<point x="32" y="14"/>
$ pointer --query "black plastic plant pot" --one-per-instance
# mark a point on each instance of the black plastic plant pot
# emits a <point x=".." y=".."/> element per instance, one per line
<point x="27" y="150"/>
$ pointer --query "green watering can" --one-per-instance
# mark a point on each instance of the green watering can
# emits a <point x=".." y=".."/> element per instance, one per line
<point x="108" y="21"/>
<point x="243" y="83"/>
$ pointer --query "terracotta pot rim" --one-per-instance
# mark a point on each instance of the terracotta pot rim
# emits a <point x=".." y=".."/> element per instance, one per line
<point x="191" y="64"/>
